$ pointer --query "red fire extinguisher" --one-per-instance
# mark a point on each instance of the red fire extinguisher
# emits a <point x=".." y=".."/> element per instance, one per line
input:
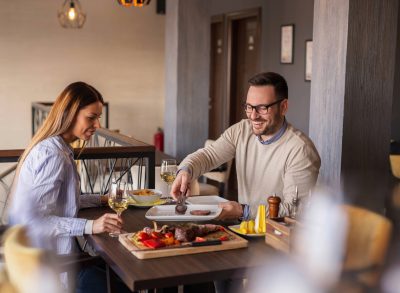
<point x="159" y="139"/>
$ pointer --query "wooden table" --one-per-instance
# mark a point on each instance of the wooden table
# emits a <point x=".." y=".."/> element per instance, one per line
<point x="172" y="271"/>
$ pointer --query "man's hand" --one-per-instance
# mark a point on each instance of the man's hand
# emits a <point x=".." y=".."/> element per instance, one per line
<point x="181" y="183"/>
<point x="107" y="223"/>
<point x="230" y="210"/>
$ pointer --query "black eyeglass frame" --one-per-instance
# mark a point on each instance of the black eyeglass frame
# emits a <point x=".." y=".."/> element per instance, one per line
<point x="257" y="107"/>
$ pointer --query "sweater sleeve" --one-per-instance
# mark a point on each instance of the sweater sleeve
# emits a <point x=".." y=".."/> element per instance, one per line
<point x="212" y="156"/>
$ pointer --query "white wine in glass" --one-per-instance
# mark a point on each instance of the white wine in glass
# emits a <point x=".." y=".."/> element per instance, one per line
<point x="168" y="172"/>
<point x="118" y="201"/>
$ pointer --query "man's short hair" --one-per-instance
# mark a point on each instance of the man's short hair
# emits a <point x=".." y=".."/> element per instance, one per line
<point x="271" y="78"/>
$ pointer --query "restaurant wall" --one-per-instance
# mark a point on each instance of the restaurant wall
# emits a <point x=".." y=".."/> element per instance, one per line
<point x="190" y="39"/>
<point x="274" y="14"/>
<point x="120" y="51"/>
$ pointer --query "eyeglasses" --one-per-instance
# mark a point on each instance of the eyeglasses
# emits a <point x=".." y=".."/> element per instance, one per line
<point x="260" y="109"/>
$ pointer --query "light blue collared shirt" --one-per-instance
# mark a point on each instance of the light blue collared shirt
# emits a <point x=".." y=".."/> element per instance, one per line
<point x="47" y="197"/>
<point x="277" y="136"/>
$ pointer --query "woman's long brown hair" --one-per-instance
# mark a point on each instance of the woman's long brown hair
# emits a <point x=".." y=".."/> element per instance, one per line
<point x="63" y="113"/>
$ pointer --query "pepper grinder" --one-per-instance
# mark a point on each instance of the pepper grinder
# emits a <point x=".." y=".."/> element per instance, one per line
<point x="273" y="206"/>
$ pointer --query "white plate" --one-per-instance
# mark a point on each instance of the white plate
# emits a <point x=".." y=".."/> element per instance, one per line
<point x="235" y="228"/>
<point x="205" y="199"/>
<point x="167" y="213"/>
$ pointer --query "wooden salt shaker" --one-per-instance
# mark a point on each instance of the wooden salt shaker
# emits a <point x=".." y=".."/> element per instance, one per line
<point x="273" y="203"/>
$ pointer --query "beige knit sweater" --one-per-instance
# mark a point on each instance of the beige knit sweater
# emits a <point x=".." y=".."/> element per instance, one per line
<point x="262" y="170"/>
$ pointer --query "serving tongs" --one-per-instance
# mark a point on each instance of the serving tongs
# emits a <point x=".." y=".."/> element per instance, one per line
<point x="180" y="208"/>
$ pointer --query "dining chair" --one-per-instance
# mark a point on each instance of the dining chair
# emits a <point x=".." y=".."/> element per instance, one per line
<point x="219" y="175"/>
<point x="368" y="237"/>
<point x="395" y="165"/>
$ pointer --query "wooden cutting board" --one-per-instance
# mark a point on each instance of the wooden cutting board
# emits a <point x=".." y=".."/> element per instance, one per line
<point x="234" y="242"/>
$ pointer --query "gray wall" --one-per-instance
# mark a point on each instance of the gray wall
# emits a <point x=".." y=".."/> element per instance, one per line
<point x="187" y="40"/>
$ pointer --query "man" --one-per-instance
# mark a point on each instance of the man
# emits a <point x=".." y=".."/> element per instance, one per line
<point x="272" y="157"/>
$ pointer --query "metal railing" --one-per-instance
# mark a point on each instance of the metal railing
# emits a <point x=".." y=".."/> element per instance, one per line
<point x="108" y="155"/>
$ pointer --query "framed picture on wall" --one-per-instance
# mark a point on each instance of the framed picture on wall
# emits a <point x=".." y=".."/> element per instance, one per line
<point x="287" y="41"/>
<point x="308" y="60"/>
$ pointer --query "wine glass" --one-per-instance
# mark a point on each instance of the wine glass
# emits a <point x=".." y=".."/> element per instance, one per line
<point x="168" y="172"/>
<point x="118" y="200"/>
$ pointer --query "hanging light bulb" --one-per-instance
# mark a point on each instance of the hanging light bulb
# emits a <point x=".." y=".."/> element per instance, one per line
<point x="71" y="12"/>
<point x="71" y="15"/>
<point x="136" y="3"/>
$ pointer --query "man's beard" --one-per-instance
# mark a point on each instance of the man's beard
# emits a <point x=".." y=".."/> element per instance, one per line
<point x="268" y="129"/>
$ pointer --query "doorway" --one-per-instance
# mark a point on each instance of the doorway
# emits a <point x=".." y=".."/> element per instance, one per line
<point x="235" y="57"/>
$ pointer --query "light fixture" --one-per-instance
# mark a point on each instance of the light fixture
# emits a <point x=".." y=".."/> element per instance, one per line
<point x="136" y="3"/>
<point x="71" y="15"/>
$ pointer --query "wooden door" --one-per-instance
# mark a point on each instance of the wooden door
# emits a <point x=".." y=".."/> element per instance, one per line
<point x="243" y="62"/>
<point x="235" y="57"/>
<point x="217" y="59"/>
<point x="244" y="59"/>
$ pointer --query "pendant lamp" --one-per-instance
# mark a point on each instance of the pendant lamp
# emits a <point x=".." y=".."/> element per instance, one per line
<point x="71" y="15"/>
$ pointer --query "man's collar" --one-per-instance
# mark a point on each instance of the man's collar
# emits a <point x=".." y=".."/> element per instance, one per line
<point x="277" y="136"/>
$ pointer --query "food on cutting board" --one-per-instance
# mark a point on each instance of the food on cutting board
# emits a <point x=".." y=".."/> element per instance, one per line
<point x="175" y="235"/>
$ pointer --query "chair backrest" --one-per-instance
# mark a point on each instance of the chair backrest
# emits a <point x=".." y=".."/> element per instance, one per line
<point x="27" y="267"/>
<point x="368" y="237"/>
<point x="395" y="165"/>
<point x="219" y="176"/>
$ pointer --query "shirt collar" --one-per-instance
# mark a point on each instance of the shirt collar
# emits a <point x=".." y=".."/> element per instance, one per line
<point x="277" y="136"/>
<point x="65" y="146"/>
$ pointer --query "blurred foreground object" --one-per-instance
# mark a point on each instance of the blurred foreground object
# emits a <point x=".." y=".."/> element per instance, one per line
<point x="29" y="269"/>
<point x="395" y="165"/>
<point x="368" y="237"/>
<point x="319" y="247"/>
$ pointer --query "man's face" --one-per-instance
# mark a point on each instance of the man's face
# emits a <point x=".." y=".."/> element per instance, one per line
<point x="269" y="123"/>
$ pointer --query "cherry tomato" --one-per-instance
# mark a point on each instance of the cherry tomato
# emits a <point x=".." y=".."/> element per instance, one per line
<point x="169" y="235"/>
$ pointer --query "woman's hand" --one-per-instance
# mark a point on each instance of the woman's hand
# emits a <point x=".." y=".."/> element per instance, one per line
<point x="107" y="223"/>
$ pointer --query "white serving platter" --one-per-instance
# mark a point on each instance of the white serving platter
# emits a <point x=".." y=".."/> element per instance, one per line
<point x="206" y="199"/>
<point x="167" y="213"/>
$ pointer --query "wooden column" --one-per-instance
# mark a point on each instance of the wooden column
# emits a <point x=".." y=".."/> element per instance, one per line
<point x="351" y="91"/>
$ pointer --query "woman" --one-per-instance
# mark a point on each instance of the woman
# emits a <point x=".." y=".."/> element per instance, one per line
<point x="46" y="193"/>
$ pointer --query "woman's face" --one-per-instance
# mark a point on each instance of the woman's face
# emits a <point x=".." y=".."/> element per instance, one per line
<point x="86" y="122"/>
